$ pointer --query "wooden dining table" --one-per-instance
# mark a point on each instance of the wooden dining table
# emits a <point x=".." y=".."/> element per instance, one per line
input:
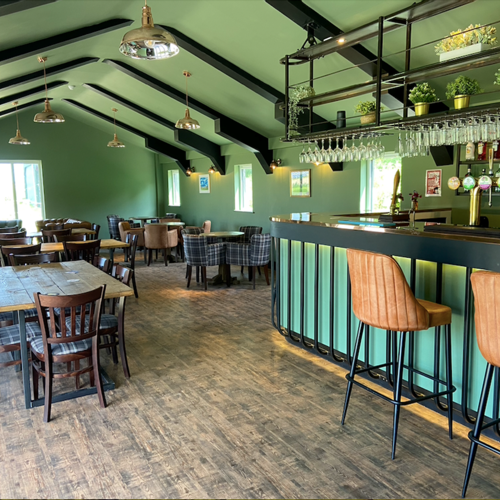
<point x="18" y="284"/>
<point x="76" y="230"/>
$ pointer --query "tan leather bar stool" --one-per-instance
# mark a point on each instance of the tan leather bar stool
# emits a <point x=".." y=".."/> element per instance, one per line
<point x="486" y="287"/>
<point x="382" y="298"/>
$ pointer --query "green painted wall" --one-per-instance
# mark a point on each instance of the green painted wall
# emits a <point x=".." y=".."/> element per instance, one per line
<point x="83" y="178"/>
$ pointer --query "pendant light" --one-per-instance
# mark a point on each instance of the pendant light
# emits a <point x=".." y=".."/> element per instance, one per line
<point x="148" y="42"/>
<point x="47" y="116"/>
<point x="187" y="122"/>
<point x="115" y="143"/>
<point x="18" y="139"/>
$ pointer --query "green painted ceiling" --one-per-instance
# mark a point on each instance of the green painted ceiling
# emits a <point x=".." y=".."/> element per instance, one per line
<point x="249" y="33"/>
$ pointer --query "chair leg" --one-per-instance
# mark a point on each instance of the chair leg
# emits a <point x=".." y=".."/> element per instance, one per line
<point x="77" y="378"/>
<point x="48" y="391"/>
<point x="258" y="269"/>
<point x="150" y="255"/>
<point x="357" y="345"/>
<point x="398" y="387"/>
<point x="449" y="384"/>
<point x="91" y="374"/>
<point x="97" y="373"/>
<point x="36" y="378"/>
<point x="114" y="353"/>
<point x="123" y="352"/>
<point x="250" y="273"/>
<point x="242" y="269"/>
<point x="254" y="272"/>
<point x="145" y="255"/>
<point x="204" y="276"/>
<point x="189" y="272"/>
<point x="136" y="293"/>
<point x="266" y="274"/>
<point x="197" y="274"/>
<point x="479" y="423"/>
<point x="228" y="275"/>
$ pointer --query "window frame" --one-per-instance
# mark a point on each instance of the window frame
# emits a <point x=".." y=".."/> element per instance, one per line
<point x="173" y="183"/>
<point x="240" y="202"/>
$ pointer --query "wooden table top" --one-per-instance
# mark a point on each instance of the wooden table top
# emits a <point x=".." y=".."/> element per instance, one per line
<point x="19" y="283"/>
<point x="223" y="234"/>
<point x="166" y="224"/>
<point x="145" y="218"/>
<point x="58" y="247"/>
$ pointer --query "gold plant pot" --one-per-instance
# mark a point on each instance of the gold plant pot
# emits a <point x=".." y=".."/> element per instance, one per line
<point x="369" y="118"/>
<point x="421" y="108"/>
<point x="462" y="101"/>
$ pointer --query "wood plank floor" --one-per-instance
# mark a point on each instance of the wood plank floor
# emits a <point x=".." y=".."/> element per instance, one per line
<point x="219" y="405"/>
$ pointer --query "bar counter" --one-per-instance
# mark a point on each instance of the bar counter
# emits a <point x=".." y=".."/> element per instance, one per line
<point x="311" y="299"/>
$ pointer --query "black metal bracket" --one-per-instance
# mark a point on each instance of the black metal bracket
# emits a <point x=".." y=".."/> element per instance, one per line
<point x="30" y="92"/>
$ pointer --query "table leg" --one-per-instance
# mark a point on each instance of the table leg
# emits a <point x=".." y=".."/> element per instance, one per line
<point x="24" y="361"/>
<point x="111" y="255"/>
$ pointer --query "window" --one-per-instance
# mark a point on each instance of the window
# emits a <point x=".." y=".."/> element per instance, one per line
<point x="174" y="194"/>
<point x="378" y="181"/>
<point x="21" y="192"/>
<point x="243" y="191"/>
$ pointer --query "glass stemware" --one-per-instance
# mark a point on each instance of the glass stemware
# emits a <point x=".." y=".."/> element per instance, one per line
<point x="330" y="155"/>
<point x="337" y="153"/>
<point x="302" y="156"/>
<point x="354" y="151"/>
<point x="346" y="152"/>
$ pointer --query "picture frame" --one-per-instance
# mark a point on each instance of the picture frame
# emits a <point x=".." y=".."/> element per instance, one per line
<point x="300" y="183"/>
<point x="204" y="183"/>
<point x="433" y="182"/>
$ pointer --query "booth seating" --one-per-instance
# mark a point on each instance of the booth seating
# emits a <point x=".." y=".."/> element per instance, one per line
<point x="68" y="224"/>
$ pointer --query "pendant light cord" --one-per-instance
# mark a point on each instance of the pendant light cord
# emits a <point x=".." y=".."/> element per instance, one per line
<point x="45" y="79"/>
<point x="187" y="105"/>
<point x="114" y="119"/>
<point x="17" y="117"/>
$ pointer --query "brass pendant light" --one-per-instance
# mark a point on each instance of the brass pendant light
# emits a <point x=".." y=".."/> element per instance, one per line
<point x="115" y="143"/>
<point x="148" y="42"/>
<point x="187" y="122"/>
<point x="47" y="116"/>
<point x="18" y="139"/>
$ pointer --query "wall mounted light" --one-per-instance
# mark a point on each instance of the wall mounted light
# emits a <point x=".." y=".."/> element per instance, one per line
<point x="47" y="116"/>
<point x="275" y="164"/>
<point x="148" y="42"/>
<point x="187" y="122"/>
<point x="190" y="170"/>
<point x="18" y="139"/>
<point x="211" y="170"/>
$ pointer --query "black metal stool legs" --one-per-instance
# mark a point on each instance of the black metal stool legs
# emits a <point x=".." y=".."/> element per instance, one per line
<point x="350" y="377"/>
<point x="398" y="387"/>
<point x="476" y="433"/>
<point x="449" y="385"/>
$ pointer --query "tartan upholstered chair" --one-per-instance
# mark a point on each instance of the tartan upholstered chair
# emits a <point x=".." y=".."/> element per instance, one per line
<point x="113" y="221"/>
<point x="248" y="232"/>
<point x="254" y="254"/>
<point x="199" y="253"/>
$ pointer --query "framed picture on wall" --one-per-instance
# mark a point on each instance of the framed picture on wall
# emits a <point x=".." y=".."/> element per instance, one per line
<point x="433" y="182"/>
<point x="204" y="182"/>
<point x="300" y="183"/>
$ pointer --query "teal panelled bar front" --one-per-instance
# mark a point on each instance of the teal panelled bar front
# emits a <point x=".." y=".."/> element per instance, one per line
<point x="312" y="299"/>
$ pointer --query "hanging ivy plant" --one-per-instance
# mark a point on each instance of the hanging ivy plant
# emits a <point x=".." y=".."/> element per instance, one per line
<point x="296" y="94"/>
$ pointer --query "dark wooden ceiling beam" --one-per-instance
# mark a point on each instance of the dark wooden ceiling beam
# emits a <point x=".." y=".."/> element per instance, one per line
<point x="156" y="145"/>
<point x="8" y="7"/>
<point x="31" y="104"/>
<point x="27" y="93"/>
<point x="54" y="70"/>
<point x="224" y="126"/>
<point x="40" y="46"/>
<point x="196" y="142"/>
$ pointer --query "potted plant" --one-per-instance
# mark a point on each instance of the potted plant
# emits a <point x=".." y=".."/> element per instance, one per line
<point x="296" y="94"/>
<point x="367" y="111"/>
<point x="421" y="96"/>
<point x="471" y="40"/>
<point x="461" y="90"/>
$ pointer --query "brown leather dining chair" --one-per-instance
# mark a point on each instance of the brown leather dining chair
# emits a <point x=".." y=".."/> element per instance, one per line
<point x="158" y="237"/>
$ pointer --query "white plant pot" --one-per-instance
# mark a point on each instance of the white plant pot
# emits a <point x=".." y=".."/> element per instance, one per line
<point x="465" y="51"/>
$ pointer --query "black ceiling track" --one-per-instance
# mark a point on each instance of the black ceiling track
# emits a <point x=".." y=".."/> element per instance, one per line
<point x="8" y="7"/>
<point x="31" y="104"/>
<point x="26" y="93"/>
<point x="160" y="147"/>
<point x="54" y="70"/>
<point x="224" y="126"/>
<point x="196" y="142"/>
<point x="39" y="47"/>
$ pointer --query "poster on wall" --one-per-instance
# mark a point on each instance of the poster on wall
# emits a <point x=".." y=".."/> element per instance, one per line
<point x="204" y="184"/>
<point x="433" y="182"/>
<point x="300" y="183"/>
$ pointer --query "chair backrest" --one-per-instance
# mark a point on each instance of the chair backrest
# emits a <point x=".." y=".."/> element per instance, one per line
<point x="132" y="240"/>
<point x="17" y="234"/>
<point x="169" y="219"/>
<point x="381" y="296"/>
<point x="102" y="263"/>
<point x="7" y="251"/>
<point x="260" y="249"/>
<point x="191" y="230"/>
<point x="195" y="250"/>
<point x="15" y="241"/>
<point x="96" y="228"/>
<point x="7" y="230"/>
<point x="249" y="231"/>
<point x="86" y="250"/>
<point x="122" y="274"/>
<point x="155" y="236"/>
<point x="485" y="286"/>
<point x="123" y="227"/>
<point x="70" y="237"/>
<point x="113" y="221"/>
<point x="207" y="226"/>
<point x="48" y="235"/>
<point x="54" y="226"/>
<point x="28" y="259"/>
<point x="83" y="305"/>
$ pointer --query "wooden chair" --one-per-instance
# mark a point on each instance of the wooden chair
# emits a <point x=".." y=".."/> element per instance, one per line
<point x="70" y="237"/>
<point x="73" y="338"/>
<point x="82" y="251"/>
<point x="6" y="230"/>
<point x="27" y="259"/>
<point x="131" y="262"/>
<point x="96" y="228"/>
<point x="103" y="264"/>
<point x="48" y="235"/>
<point x="18" y="234"/>
<point x="8" y="250"/>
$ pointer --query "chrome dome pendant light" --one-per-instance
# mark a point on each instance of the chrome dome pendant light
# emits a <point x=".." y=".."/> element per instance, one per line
<point x="47" y="116"/>
<point x="115" y="143"/>
<point x="148" y="42"/>
<point x="18" y="139"/>
<point x="187" y="122"/>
